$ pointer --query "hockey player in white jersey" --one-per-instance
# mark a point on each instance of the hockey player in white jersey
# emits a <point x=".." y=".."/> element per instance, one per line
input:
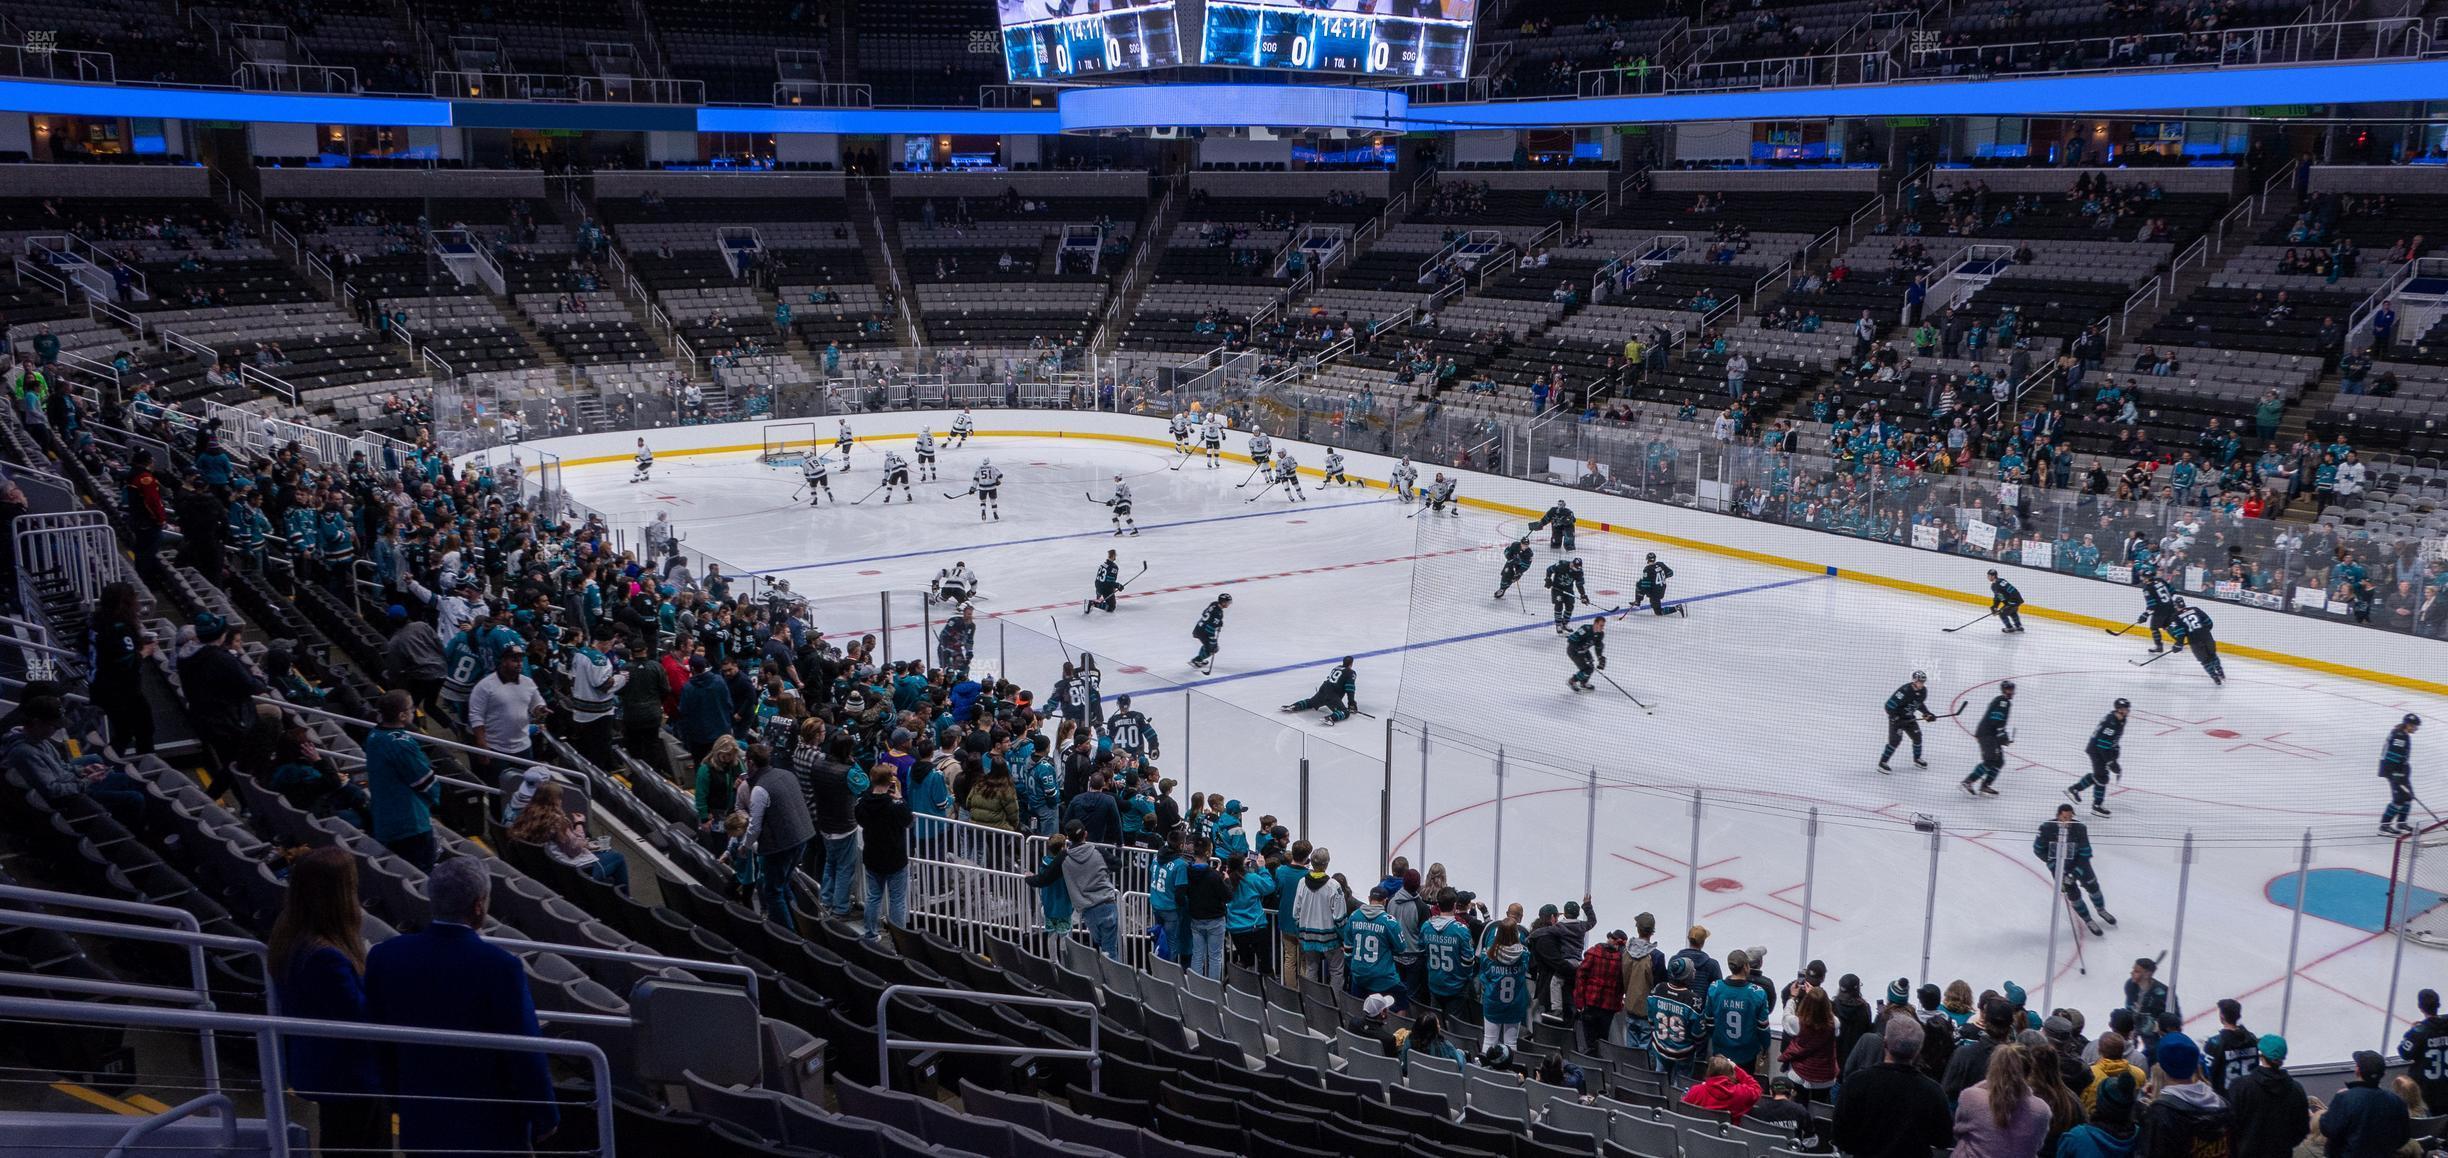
<point x="926" y="454"/>
<point x="896" y="472"/>
<point x="988" y="482"/>
<point x="954" y="584"/>
<point x="1123" y="523"/>
<point x="1181" y="432"/>
<point x="1334" y="471"/>
<point x="645" y="462"/>
<point x="1287" y="473"/>
<point x="841" y="444"/>
<point x="1211" y="439"/>
<point x="962" y="428"/>
<point x="1261" y="449"/>
<point x="1441" y="496"/>
<point x="1404" y="480"/>
<point x="815" y="473"/>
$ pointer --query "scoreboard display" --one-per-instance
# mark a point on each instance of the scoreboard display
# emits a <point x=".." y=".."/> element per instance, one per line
<point x="1063" y="39"/>
<point x="1421" y="39"/>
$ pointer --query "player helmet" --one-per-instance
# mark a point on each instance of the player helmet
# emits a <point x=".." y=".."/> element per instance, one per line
<point x="2123" y="703"/>
<point x="2007" y="686"/>
<point x="1653" y="556"/>
<point x="1224" y="598"/>
<point x="2412" y="720"/>
<point x="1920" y="677"/>
<point x="1576" y="560"/>
<point x="1117" y="477"/>
<point x="1993" y="572"/>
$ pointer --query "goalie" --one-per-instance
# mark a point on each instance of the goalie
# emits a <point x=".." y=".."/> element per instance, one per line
<point x="954" y="584"/>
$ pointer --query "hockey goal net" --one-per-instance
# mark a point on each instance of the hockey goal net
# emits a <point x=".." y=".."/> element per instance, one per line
<point x="2418" y="885"/>
<point x="787" y="443"/>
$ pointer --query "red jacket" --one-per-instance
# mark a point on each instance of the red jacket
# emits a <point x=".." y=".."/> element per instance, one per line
<point x="1811" y="1056"/>
<point x="1735" y="1095"/>
<point x="1598" y="984"/>
<point x="675" y="675"/>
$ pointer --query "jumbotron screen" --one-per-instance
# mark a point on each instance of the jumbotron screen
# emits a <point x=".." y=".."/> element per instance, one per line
<point x="1058" y="39"/>
<point x="1425" y="39"/>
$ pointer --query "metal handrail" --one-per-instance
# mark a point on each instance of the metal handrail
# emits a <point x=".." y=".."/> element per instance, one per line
<point x="593" y="953"/>
<point x="273" y="1066"/>
<point x="454" y="745"/>
<point x="219" y="1104"/>
<point x="885" y="1043"/>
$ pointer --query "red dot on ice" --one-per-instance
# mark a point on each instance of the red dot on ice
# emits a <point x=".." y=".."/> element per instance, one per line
<point x="1721" y="884"/>
<point x="2221" y="733"/>
<point x="1132" y="670"/>
<point x="1295" y="522"/>
<point x="871" y="572"/>
<point x="1606" y="593"/>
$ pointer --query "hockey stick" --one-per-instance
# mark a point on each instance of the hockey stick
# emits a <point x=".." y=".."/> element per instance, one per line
<point x="2075" y="919"/>
<point x="1125" y="584"/>
<point x="1984" y="615"/>
<point x="2119" y="632"/>
<point x="1627" y="695"/>
<point x="962" y="495"/>
<point x="2155" y="658"/>
<point x="1521" y="599"/>
<point x="1959" y="710"/>
<point x="1096" y="500"/>
<point x="1261" y="492"/>
<point x="869" y="494"/>
<point x="1253" y="477"/>
<point x="1058" y="639"/>
<point x="1186" y="456"/>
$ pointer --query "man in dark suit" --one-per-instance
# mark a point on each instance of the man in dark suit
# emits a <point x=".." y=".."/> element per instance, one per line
<point x="447" y="977"/>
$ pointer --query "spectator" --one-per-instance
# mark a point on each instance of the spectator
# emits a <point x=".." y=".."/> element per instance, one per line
<point x="2426" y="1043"/>
<point x="503" y="708"/>
<point x="1598" y="990"/>
<point x="833" y="788"/>
<point x="705" y="710"/>
<point x="1810" y="1045"/>
<point x="317" y="957"/>
<point x="1892" y="1109"/>
<point x="1727" y="1087"/>
<point x="1086" y="873"/>
<point x="1970" y="1063"/>
<point x="2110" y="1131"/>
<point x="2187" y="1117"/>
<point x="401" y="788"/>
<point x="641" y="716"/>
<point x="412" y="658"/>
<point x="1322" y="901"/>
<point x="779" y="829"/>
<point x="547" y="824"/>
<point x="2273" y="1115"/>
<point x="35" y="753"/>
<point x="119" y="646"/>
<point x="2365" y="1120"/>
<point x="1373" y="1023"/>
<point x="446" y="977"/>
<point x="1999" y="1116"/>
<point x="1737" y="1013"/>
<point x="2111" y="1046"/>
<point x="220" y="691"/>
<point x="1205" y="895"/>
<point x="1705" y="971"/>
<point x="884" y="824"/>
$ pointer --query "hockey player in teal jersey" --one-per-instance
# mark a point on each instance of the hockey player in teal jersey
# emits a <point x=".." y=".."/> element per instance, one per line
<point x="1338" y="694"/>
<point x="1567" y="587"/>
<point x="2079" y="877"/>
<point x="2006" y="602"/>
<point x="1453" y="958"/>
<point x="1992" y="736"/>
<point x="1903" y="706"/>
<point x="1516" y="564"/>
<point x="1372" y="938"/>
<point x="1210" y="633"/>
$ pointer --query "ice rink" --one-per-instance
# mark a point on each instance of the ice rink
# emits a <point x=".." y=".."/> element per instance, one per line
<point x="1766" y="701"/>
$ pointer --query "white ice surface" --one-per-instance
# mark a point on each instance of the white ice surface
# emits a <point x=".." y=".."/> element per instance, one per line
<point x="1766" y="698"/>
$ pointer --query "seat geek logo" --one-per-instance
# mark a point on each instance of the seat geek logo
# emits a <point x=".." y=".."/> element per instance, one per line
<point x="986" y="42"/>
<point x="41" y="42"/>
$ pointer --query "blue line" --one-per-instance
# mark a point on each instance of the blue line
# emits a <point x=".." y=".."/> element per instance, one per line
<point x="1073" y="535"/>
<point x="1539" y="625"/>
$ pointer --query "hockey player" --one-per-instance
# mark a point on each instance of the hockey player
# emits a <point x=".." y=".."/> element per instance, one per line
<point x="1992" y="738"/>
<point x="1261" y="450"/>
<point x="1333" y="471"/>
<point x="896" y="472"/>
<point x="1652" y="587"/>
<point x="2106" y="750"/>
<point x="954" y="584"/>
<point x="988" y="483"/>
<point x="1567" y="586"/>
<point x="2396" y="767"/>
<point x="926" y="454"/>
<point x="1559" y="523"/>
<point x="1516" y="564"/>
<point x="2192" y="629"/>
<point x="956" y="642"/>
<point x="2006" y="603"/>
<point x="1210" y="633"/>
<point x="962" y="427"/>
<point x="2158" y="605"/>
<point x="1181" y="432"/>
<point x="645" y="462"/>
<point x="815" y="474"/>
<point x="1907" y="708"/>
<point x="1287" y="475"/>
<point x="1108" y="586"/>
<point x="1211" y="438"/>
<point x="1120" y="503"/>
<point x="841" y="444"/>
<point x="1586" y="647"/>
<point x="1404" y="480"/>
<point x="1441" y="495"/>
<point x="2079" y="879"/>
<point x="1675" y="1029"/>
<point x="1132" y="733"/>
<point x="1338" y="695"/>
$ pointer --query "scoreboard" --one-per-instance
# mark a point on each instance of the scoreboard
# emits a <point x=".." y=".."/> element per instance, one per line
<point x="1058" y="39"/>
<point x="1422" y="39"/>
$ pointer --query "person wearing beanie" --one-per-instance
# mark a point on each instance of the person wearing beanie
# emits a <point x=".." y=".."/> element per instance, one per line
<point x="2187" y="1117"/>
<point x="2233" y="1051"/>
<point x="2365" y="1120"/>
<point x="1673" y="1012"/>
<point x="2111" y="1048"/>
<point x="1598" y="989"/>
<point x="2110" y="1132"/>
<point x="2272" y="1113"/>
